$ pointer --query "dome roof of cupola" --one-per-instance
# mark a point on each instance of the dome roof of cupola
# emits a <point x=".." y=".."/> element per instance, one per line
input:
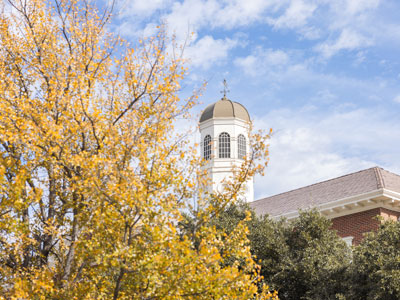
<point x="225" y="109"/>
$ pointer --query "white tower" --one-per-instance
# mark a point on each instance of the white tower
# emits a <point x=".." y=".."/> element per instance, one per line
<point x="224" y="129"/>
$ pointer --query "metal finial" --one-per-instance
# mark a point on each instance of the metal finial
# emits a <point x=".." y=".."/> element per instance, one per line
<point x="226" y="90"/>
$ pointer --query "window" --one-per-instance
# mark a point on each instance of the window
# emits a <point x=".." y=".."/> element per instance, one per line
<point x="224" y="145"/>
<point x="241" y="146"/>
<point x="348" y="240"/>
<point x="207" y="147"/>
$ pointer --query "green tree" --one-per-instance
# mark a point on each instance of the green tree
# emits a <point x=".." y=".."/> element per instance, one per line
<point x="313" y="260"/>
<point x="301" y="259"/>
<point x="376" y="264"/>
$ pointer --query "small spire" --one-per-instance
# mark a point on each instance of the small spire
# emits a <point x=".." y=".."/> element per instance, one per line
<point x="226" y="90"/>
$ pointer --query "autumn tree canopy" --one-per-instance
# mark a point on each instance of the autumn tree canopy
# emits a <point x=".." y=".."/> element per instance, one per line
<point x="93" y="179"/>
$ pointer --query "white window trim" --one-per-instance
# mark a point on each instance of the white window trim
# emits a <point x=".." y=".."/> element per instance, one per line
<point x="348" y="240"/>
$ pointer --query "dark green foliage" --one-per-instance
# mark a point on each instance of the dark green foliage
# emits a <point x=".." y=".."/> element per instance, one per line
<point x="316" y="260"/>
<point x="305" y="259"/>
<point x="302" y="259"/>
<point x="376" y="264"/>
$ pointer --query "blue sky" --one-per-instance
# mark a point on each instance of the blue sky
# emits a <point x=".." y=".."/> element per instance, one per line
<point x="324" y="74"/>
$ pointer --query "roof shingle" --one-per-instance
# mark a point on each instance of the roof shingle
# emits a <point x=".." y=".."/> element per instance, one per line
<point x="327" y="191"/>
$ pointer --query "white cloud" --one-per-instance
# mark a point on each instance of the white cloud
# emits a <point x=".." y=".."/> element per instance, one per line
<point x="360" y="57"/>
<point x="354" y="7"/>
<point x="248" y="64"/>
<point x="239" y="12"/>
<point x="226" y="14"/>
<point x="190" y="15"/>
<point x="348" y="40"/>
<point x="207" y="51"/>
<point x="296" y="15"/>
<point x="347" y="20"/>
<point x="397" y="99"/>
<point x="308" y="147"/>
<point x="141" y="8"/>
<point x="262" y="61"/>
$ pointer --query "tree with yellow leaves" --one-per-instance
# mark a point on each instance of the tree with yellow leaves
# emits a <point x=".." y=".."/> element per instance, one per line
<point x="93" y="179"/>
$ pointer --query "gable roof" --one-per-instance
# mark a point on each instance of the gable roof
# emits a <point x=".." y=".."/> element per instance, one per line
<point x="314" y="195"/>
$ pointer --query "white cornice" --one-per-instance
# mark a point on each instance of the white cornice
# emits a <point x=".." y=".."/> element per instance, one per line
<point x="378" y="198"/>
<point x="392" y="194"/>
<point x="223" y="121"/>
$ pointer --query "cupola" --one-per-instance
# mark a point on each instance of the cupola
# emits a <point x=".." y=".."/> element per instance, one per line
<point x="224" y="129"/>
<point x="225" y="108"/>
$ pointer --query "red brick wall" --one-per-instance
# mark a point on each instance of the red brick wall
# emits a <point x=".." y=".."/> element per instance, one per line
<point x="390" y="214"/>
<point x="357" y="224"/>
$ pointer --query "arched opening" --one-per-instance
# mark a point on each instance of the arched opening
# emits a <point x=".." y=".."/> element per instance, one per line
<point x="224" y="145"/>
<point x="207" y="147"/>
<point x="241" y="146"/>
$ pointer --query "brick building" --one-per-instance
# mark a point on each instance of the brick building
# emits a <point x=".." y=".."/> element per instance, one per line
<point x="351" y="201"/>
